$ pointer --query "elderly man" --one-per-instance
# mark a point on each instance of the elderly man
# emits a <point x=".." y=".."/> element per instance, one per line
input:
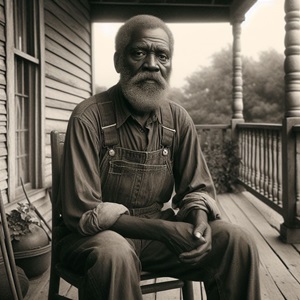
<point x="126" y="151"/>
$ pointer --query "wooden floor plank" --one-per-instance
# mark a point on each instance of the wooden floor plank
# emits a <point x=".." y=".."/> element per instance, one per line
<point x="286" y="283"/>
<point x="285" y="252"/>
<point x="269" y="289"/>
<point x="279" y="268"/>
<point x="38" y="288"/>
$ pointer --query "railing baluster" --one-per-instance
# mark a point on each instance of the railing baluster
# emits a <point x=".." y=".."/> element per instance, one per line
<point x="279" y="173"/>
<point x="274" y="163"/>
<point x="266" y="179"/>
<point x="262" y="161"/>
<point x="257" y="160"/>
<point x="270" y="166"/>
<point x="253" y="173"/>
<point x="248" y="159"/>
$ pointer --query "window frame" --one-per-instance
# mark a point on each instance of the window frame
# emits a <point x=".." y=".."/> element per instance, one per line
<point x="37" y="152"/>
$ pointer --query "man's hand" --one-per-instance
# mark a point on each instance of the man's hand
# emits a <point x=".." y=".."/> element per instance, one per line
<point x="202" y="232"/>
<point x="189" y="240"/>
<point x="179" y="236"/>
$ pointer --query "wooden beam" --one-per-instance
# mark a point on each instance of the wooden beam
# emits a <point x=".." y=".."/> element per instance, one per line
<point x="239" y="9"/>
<point x="103" y="12"/>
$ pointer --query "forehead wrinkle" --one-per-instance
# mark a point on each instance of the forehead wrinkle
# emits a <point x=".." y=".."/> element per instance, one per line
<point x="150" y="45"/>
<point x="156" y="35"/>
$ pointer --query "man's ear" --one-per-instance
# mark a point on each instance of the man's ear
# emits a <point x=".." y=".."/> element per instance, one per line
<point x="117" y="61"/>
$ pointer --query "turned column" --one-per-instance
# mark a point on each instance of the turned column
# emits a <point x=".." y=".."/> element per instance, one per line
<point x="237" y="77"/>
<point x="290" y="229"/>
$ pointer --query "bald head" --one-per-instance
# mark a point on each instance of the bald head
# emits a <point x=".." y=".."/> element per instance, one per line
<point x="140" y="21"/>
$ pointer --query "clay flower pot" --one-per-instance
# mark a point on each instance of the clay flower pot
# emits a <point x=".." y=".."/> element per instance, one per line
<point x="33" y="252"/>
<point x="30" y="242"/>
<point x="5" y="291"/>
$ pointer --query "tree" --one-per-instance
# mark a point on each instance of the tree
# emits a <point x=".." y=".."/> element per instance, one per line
<point x="208" y="93"/>
<point x="264" y="87"/>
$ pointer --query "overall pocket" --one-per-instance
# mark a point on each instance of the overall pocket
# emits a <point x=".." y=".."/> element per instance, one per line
<point x="136" y="185"/>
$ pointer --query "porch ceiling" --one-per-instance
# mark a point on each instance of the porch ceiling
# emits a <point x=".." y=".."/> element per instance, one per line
<point x="171" y="10"/>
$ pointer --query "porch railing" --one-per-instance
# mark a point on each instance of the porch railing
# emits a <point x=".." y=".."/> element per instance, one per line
<point x="213" y="135"/>
<point x="260" y="151"/>
<point x="260" y="147"/>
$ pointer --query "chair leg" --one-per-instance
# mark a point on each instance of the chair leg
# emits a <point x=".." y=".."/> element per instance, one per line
<point x="80" y="293"/>
<point x="187" y="290"/>
<point x="53" y="285"/>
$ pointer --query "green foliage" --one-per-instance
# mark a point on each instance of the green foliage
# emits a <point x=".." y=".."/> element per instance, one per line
<point x="207" y="95"/>
<point x="264" y="88"/>
<point x="20" y="220"/>
<point x="223" y="162"/>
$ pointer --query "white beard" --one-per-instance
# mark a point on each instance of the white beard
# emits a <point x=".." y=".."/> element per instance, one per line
<point x="144" y="96"/>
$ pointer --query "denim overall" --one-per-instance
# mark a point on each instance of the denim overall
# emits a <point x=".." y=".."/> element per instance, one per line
<point x="143" y="181"/>
<point x="140" y="180"/>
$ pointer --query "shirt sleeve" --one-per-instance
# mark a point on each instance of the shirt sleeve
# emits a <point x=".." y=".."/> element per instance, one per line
<point x="193" y="183"/>
<point x="80" y="186"/>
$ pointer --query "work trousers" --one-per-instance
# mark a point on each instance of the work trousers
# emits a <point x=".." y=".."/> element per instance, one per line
<point x="112" y="264"/>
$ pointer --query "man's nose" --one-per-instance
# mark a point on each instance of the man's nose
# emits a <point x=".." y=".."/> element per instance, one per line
<point x="150" y="63"/>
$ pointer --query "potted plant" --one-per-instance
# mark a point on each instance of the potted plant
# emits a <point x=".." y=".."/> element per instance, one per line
<point x="30" y="242"/>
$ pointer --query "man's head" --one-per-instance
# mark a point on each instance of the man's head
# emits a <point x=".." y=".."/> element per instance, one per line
<point x="140" y="21"/>
<point x="144" y="49"/>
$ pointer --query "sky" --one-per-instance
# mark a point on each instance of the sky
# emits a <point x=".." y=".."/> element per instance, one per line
<point x="263" y="29"/>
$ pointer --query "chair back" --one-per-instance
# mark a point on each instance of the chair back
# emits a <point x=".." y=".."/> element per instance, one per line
<point x="58" y="270"/>
<point x="57" y="148"/>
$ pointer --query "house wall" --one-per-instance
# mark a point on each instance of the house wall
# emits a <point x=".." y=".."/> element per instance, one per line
<point x="68" y="74"/>
<point x="66" y="77"/>
<point x="3" y="99"/>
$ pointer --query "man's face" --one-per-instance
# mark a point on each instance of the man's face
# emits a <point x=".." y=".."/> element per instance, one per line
<point x="145" y="69"/>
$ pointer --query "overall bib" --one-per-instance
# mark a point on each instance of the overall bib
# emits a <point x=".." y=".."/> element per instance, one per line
<point x="140" y="180"/>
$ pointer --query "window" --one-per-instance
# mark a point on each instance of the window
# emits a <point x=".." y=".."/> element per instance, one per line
<point x="26" y="106"/>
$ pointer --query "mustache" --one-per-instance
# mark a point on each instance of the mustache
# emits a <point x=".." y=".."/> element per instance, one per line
<point x="143" y="76"/>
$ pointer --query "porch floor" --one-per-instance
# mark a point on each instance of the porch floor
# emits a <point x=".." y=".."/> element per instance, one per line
<point x="279" y="262"/>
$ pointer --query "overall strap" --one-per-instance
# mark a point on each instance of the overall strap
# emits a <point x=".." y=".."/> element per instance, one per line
<point x="108" y="122"/>
<point x="168" y="130"/>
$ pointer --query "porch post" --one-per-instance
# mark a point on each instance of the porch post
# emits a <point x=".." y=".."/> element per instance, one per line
<point x="290" y="229"/>
<point x="237" y="77"/>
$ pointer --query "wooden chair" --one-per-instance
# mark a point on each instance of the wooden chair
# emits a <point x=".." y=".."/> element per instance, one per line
<point x="59" y="271"/>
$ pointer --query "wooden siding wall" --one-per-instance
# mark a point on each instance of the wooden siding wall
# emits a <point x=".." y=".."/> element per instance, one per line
<point x="68" y="78"/>
<point x="3" y="105"/>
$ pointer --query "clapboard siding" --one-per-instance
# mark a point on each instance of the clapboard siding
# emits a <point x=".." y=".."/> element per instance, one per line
<point x="3" y="108"/>
<point x="68" y="71"/>
<point x="58" y="86"/>
<point x="75" y="8"/>
<point x="60" y="63"/>
<point x="57" y="49"/>
<point x="54" y="72"/>
<point x="80" y="28"/>
<point x="61" y="28"/>
<point x="63" y="98"/>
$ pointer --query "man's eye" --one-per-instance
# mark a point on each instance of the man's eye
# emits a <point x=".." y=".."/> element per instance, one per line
<point x="138" y="53"/>
<point x="163" y="57"/>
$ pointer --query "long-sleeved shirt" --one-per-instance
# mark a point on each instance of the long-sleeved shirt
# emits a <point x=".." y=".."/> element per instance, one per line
<point x="81" y="197"/>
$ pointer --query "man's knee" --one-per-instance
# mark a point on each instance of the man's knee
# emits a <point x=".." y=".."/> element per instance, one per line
<point x="112" y="250"/>
<point x="233" y="236"/>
